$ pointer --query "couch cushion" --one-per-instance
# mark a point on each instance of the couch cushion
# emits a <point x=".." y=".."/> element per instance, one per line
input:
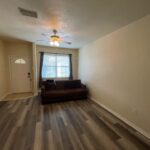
<point x="49" y="84"/>
<point x="55" y="93"/>
<point x="72" y="84"/>
<point x="67" y="84"/>
<point x="60" y="84"/>
<point x="76" y="92"/>
<point x="65" y="93"/>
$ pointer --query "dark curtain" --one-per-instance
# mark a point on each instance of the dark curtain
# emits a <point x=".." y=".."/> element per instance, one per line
<point x="41" y="64"/>
<point x="70" y="59"/>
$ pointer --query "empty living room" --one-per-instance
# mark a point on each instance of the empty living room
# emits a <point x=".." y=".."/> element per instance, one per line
<point x="74" y="74"/>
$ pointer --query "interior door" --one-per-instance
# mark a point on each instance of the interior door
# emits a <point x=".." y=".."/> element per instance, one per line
<point x="20" y="72"/>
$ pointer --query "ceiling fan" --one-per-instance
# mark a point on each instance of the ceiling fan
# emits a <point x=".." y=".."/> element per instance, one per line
<point x="55" y="39"/>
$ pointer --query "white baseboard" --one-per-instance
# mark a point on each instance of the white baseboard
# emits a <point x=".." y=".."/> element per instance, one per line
<point x="2" y="97"/>
<point x="141" y="131"/>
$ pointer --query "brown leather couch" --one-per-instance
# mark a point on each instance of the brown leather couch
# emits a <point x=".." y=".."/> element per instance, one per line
<point x="63" y="90"/>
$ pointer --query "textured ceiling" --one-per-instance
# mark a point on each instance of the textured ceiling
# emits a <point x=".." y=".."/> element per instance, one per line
<point x="77" y="21"/>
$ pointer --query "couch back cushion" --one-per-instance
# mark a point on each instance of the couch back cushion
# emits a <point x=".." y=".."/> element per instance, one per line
<point x="72" y="84"/>
<point x="62" y="84"/>
<point x="49" y="84"/>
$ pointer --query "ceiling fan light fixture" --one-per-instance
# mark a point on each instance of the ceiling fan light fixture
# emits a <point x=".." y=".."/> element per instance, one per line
<point x="56" y="43"/>
<point x="55" y="40"/>
<point x="51" y="43"/>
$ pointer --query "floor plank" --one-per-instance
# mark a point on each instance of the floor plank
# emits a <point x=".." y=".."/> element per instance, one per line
<point x="72" y="125"/>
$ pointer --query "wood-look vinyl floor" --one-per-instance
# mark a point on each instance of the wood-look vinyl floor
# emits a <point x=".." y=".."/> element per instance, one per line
<point x="18" y="96"/>
<point x="73" y="125"/>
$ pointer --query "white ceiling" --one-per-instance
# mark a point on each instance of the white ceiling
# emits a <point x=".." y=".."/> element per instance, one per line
<point x="77" y="21"/>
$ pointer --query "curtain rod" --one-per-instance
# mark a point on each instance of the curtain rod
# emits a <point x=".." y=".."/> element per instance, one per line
<point x="55" y="53"/>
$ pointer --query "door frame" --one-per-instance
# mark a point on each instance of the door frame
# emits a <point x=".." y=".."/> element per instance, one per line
<point x="10" y="72"/>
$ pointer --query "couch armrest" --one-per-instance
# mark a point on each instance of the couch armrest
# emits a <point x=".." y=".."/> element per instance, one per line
<point x="42" y="89"/>
<point x="83" y="86"/>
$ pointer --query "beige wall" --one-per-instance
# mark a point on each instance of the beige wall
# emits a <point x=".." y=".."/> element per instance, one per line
<point x="74" y="53"/>
<point x="35" y="72"/>
<point x="21" y="49"/>
<point x="116" y="69"/>
<point x="3" y="71"/>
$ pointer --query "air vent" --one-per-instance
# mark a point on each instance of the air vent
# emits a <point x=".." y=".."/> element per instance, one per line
<point x="28" y="13"/>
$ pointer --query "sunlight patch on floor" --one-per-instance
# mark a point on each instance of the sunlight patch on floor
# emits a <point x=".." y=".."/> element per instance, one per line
<point x="18" y="96"/>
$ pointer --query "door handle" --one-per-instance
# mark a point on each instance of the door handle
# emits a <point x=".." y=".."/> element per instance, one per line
<point x="29" y="75"/>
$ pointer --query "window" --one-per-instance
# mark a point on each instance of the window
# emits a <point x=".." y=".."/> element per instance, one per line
<point x="56" y="66"/>
<point x="20" y="61"/>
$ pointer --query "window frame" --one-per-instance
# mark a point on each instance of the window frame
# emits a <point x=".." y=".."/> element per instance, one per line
<point x="57" y="78"/>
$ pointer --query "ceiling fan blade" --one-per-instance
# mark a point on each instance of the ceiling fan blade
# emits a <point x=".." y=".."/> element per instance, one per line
<point x="69" y="43"/>
<point x="42" y="40"/>
<point x="66" y="36"/>
<point x="45" y="34"/>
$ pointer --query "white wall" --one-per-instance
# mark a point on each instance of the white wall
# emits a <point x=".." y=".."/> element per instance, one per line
<point x="3" y="71"/>
<point x="116" y="69"/>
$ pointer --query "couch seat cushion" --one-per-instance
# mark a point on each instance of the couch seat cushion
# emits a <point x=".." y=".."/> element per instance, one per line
<point x="67" y="92"/>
